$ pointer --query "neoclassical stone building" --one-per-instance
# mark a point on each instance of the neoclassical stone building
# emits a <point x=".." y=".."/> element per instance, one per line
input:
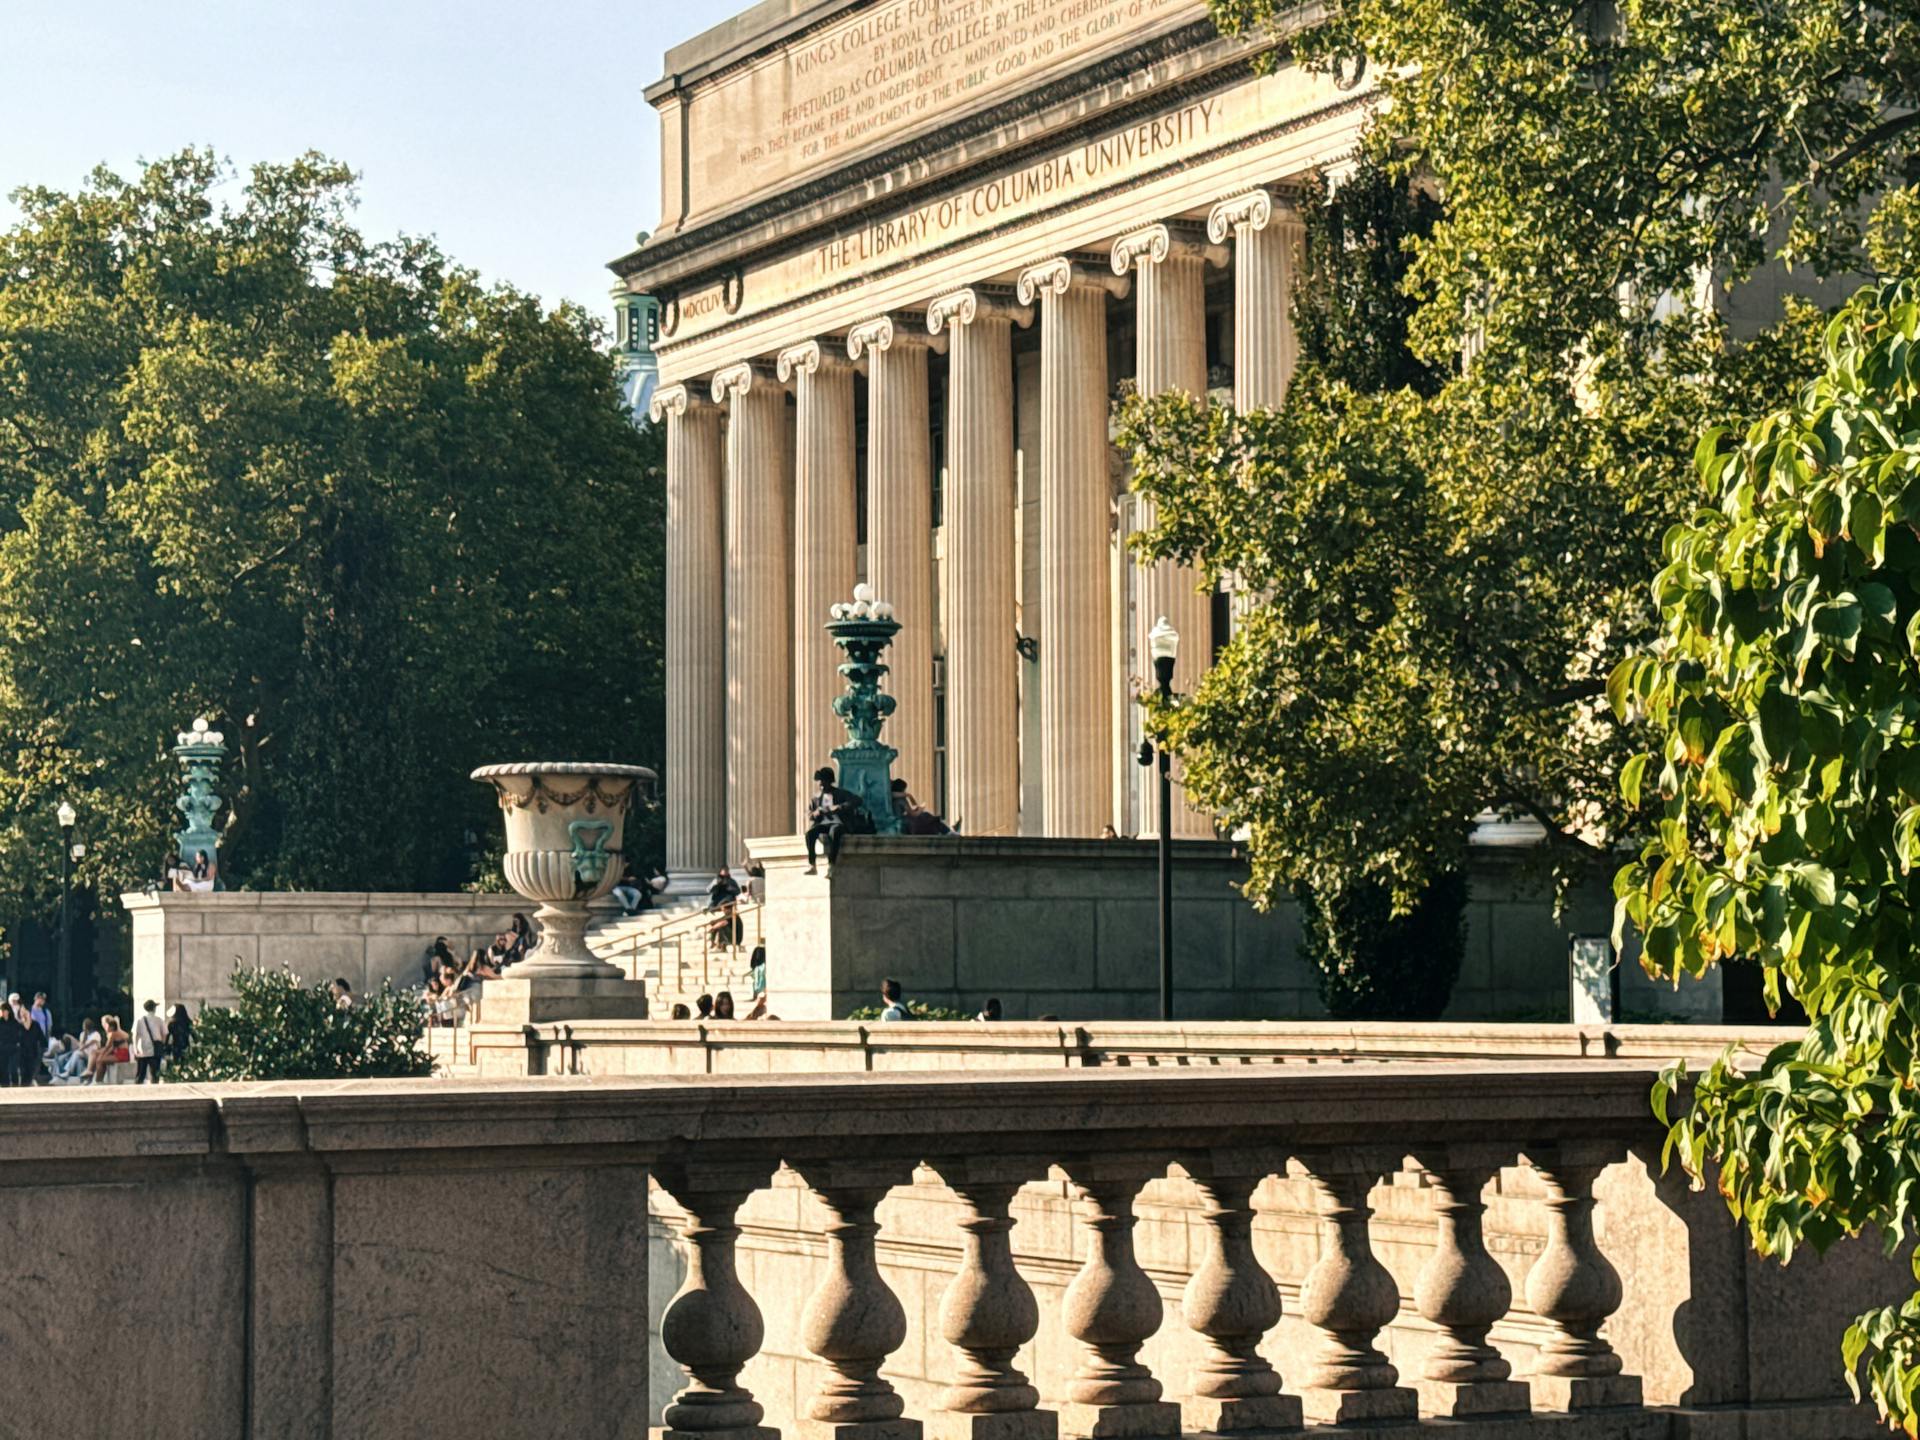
<point x="909" y="252"/>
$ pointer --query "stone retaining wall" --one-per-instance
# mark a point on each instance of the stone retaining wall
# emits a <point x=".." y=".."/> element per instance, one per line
<point x="186" y="946"/>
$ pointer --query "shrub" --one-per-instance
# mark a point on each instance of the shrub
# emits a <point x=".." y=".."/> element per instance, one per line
<point x="919" y="1012"/>
<point x="280" y="1029"/>
<point x="1375" y="965"/>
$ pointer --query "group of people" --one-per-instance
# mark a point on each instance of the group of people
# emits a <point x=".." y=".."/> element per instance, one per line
<point x="721" y="1007"/>
<point x="32" y="1054"/>
<point x="637" y="889"/>
<point x="446" y="979"/>
<point x="201" y="876"/>
<point x="835" y="813"/>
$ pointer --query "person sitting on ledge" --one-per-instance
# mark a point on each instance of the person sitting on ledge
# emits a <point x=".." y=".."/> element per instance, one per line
<point x="704" y="1007"/>
<point x="723" y="1006"/>
<point x="759" y="1010"/>
<point x="680" y="1012"/>
<point x="480" y="967"/>
<point x="830" y="814"/>
<point x="990" y="1012"/>
<point x="519" y="939"/>
<point x="632" y="896"/>
<point x="112" y="1051"/>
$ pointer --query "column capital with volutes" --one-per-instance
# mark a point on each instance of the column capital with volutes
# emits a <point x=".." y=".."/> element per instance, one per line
<point x="1062" y="273"/>
<point x="810" y="357"/>
<point x="963" y="307"/>
<point x="679" y="400"/>
<point x="1151" y="244"/>
<point x="744" y="378"/>
<point x="883" y="332"/>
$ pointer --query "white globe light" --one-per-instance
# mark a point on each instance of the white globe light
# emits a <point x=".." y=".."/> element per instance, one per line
<point x="1163" y="641"/>
<point x="199" y="724"/>
<point x="863" y="593"/>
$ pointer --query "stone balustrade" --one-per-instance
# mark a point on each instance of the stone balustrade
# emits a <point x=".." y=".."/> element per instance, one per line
<point x="425" y="1259"/>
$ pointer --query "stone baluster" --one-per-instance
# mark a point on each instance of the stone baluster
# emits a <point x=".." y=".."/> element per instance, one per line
<point x="824" y="541"/>
<point x="1113" y="1308"/>
<point x="1463" y="1291"/>
<point x="900" y="528"/>
<point x="853" y="1321"/>
<point x="1076" y="681"/>
<point x="1574" y="1287"/>
<point x="988" y="1313"/>
<point x="1168" y="263"/>
<point x="1350" y="1297"/>
<point x="759" y="608"/>
<point x="1233" y="1302"/>
<point x="711" y="1327"/>
<point x="696" y="632"/>
<point x="983" y="742"/>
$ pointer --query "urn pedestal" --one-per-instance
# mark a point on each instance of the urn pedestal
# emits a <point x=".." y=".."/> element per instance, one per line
<point x="565" y="825"/>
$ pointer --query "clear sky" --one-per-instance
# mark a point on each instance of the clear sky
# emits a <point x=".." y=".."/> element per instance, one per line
<point x="513" y="131"/>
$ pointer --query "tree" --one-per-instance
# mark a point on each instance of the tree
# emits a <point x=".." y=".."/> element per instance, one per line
<point x="381" y="521"/>
<point x="1372" y="964"/>
<point x="280" y="1029"/>
<point x="1784" y="706"/>
<point x="1450" y="554"/>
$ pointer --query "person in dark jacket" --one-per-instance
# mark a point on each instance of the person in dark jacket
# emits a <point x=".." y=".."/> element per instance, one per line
<point x="12" y="1042"/>
<point x="179" y="1032"/>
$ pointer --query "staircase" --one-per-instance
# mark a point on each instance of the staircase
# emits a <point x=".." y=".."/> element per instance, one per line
<point x="675" y="954"/>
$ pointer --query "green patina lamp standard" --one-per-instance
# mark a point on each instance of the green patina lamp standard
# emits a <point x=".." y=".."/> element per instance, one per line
<point x="199" y="751"/>
<point x="863" y="629"/>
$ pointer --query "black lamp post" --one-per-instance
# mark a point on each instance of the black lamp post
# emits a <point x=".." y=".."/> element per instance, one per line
<point x="1163" y="643"/>
<point x="69" y="852"/>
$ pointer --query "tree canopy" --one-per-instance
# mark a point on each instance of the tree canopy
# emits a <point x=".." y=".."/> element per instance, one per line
<point x="1784" y="705"/>
<point x="380" y="520"/>
<point x="1445" y="544"/>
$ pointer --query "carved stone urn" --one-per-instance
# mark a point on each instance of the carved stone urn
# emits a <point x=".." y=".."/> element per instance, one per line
<point x="565" y="825"/>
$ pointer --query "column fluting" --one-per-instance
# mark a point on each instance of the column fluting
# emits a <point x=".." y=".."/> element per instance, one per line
<point x="1076" y="617"/>
<point x="759" y="608"/>
<point x="900" y="530"/>
<point x="983" y="742"/>
<point x="1169" y="269"/>
<point x="1266" y="239"/>
<point x="696" y="687"/>
<point x="824" y="542"/>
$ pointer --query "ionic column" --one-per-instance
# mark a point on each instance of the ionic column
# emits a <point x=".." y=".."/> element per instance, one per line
<point x="853" y="1321"/>
<point x="1075" y="619"/>
<point x="1575" y="1287"/>
<point x="983" y="741"/>
<point x="987" y="1314"/>
<point x="696" y="633"/>
<point x="900" y="529"/>
<point x="1463" y="1291"/>
<point x="1233" y="1302"/>
<point x="1169" y="265"/>
<point x="759" y="608"/>
<point x="711" y="1327"/>
<point x="824" y="540"/>
<point x="1349" y="1297"/>
<point x="1265" y="243"/>
<point x="1112" y="1308"/>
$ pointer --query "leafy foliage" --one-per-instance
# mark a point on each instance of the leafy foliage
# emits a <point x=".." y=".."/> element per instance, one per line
<point x="1784" y="703"/>
<point x="279" y="1029"/>
<point x="1449" y="538"/>
<point x="381" y="522"/>
<point x="1373" y="964"/>
<point x="920" y="1012"/>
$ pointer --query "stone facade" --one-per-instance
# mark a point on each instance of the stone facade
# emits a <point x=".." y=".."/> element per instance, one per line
<point x="1070" y="928"/>
<point x="185" y="947"/>
<point x="1001" y="213"/>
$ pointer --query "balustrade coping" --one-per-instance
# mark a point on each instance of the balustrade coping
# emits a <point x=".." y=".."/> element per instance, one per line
<point x="1154" y="1115"/>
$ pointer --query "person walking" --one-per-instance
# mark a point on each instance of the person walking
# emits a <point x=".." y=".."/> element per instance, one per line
<point x="894" y="1001"/>
<point x="149" y="1044"/>
<point x="179" y="1034"/>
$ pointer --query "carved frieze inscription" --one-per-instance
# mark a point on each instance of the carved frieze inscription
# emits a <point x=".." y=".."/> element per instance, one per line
<point x="1052" y="181"/>
<point x="892" y="66"/>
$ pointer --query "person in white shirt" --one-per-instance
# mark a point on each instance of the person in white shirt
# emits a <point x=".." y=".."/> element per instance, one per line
<point x="149" y="1044"/>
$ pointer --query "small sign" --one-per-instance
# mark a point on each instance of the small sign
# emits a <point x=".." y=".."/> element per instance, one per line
<point x="1595" y="980"/>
